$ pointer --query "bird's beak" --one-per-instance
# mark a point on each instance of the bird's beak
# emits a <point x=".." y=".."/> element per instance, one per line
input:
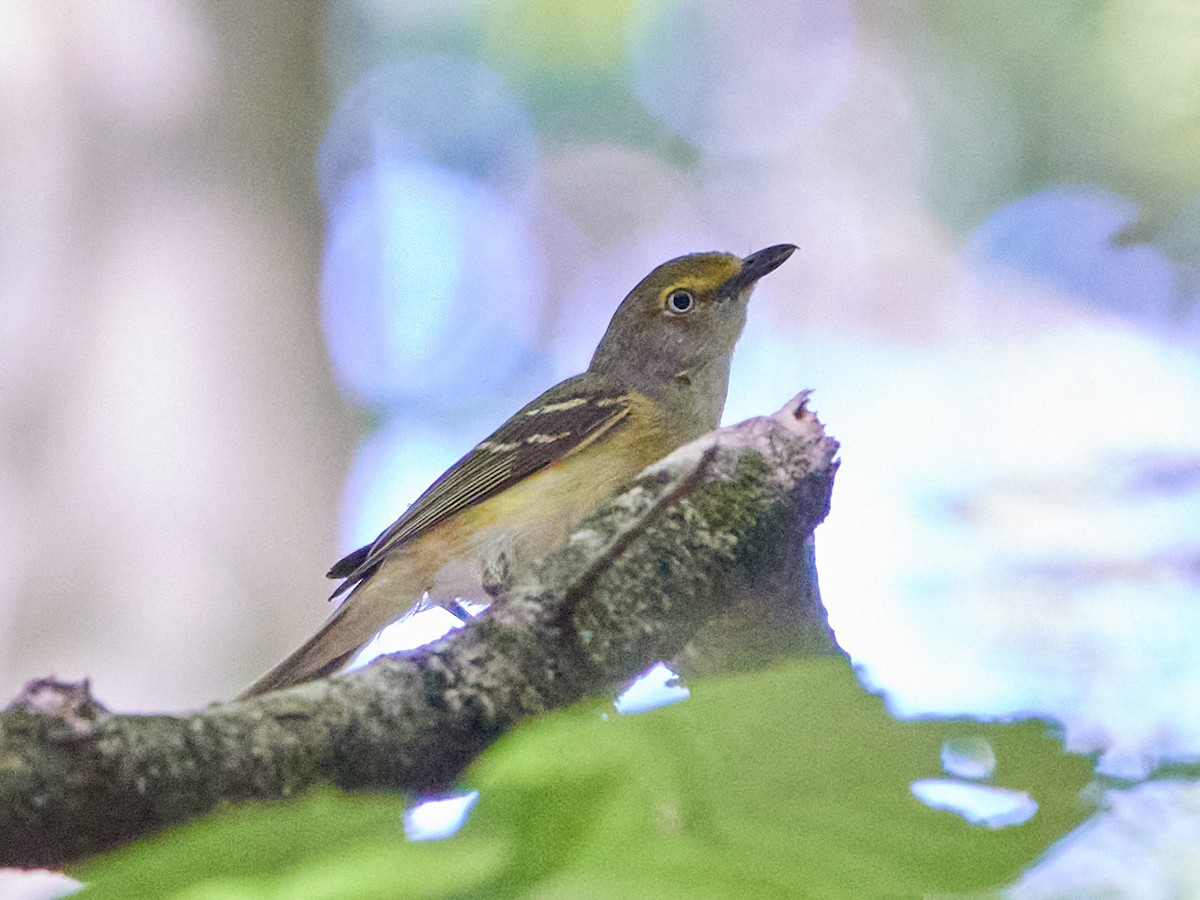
<point x="754" y="267"/>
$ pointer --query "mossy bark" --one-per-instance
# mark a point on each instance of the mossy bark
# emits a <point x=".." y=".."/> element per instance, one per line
<point x="706" y="558"/>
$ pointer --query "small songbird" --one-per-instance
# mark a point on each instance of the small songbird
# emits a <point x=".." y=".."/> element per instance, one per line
<point x="656" y="381"/>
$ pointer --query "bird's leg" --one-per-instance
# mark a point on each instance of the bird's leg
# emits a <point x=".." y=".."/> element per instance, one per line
<point x="455" y="607"/>
<point x="495" y="579"/>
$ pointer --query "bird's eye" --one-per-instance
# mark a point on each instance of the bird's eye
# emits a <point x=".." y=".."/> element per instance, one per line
<point x="680" y="302"/>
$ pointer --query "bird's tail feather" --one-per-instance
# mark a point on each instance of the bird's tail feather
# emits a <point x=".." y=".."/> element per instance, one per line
<point x="322" y="654"/>
<point x="372" y="604"/>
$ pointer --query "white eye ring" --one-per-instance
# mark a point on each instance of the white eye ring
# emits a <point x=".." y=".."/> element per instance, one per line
<point x="680" y="301"/>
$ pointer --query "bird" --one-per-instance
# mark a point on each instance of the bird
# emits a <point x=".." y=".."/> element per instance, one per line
<point x="657" y="380"/>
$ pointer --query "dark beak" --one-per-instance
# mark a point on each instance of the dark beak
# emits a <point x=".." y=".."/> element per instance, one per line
<point x="754" y="267"/>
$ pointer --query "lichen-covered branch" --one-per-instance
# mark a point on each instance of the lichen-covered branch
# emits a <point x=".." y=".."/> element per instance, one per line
<point x="720" y="529"/>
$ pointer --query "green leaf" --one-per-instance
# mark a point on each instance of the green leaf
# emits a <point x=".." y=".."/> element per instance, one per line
<point x="326" y="844"/>
<point x="792" y="780"/>
<point x="766" y="784"/>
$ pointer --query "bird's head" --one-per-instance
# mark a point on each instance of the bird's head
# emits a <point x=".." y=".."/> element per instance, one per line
<point x="682" y="318"/>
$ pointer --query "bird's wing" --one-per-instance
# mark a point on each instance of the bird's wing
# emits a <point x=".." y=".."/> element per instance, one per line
<point x="560" y="422"/>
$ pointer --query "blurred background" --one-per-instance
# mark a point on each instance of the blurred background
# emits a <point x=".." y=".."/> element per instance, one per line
<point x="267" y="268"/>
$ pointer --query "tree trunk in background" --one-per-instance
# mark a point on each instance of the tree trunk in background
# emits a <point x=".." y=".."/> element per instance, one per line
<point x="165" y="386"/>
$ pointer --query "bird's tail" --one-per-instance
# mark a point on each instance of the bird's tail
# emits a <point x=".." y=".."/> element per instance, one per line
<point x="323" y="654"/>
<point x="371" y="605"/>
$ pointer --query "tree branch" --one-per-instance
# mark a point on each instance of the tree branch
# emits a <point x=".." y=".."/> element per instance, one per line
<point x="720" y="529"/>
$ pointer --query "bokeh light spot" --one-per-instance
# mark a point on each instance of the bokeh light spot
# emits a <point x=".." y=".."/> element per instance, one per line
<point x="979" y="804"/>
<point x="425" y="274"/>
<point x="657" y="686"/>
<point x="433" y="820"/>
<point x="549" y="38"/>
<point x="1064" y="237"/>
<point x="741" y="79"/>
<point x="969" y="757"/>
<point x="441" y="110"/>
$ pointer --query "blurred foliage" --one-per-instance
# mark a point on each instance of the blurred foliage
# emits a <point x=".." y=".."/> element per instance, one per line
<point x="1101" y="91"/>
<point x="789" y="779"/>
